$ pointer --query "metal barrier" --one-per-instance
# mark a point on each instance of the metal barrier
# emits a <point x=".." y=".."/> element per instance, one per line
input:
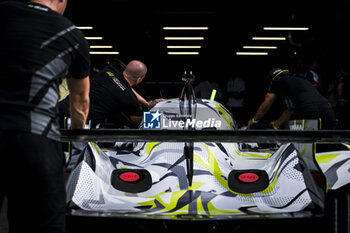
<point x="266" y="136"/>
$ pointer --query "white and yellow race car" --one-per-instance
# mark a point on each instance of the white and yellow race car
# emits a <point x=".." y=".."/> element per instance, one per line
<point x="208" y="181"/>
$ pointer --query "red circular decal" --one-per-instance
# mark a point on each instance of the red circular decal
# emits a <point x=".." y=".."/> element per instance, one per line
<point x="248" y="177"/>
<point x="129" y="176"/>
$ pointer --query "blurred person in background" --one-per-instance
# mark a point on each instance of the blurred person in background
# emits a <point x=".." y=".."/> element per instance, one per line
<point x="301" y="101"/>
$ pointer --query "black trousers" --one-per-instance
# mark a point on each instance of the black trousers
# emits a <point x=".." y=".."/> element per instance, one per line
<point x="32" y="179"/>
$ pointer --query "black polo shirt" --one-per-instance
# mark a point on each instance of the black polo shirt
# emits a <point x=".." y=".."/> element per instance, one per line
<point x="111" y="97"/>
<point x="38" y="47"/>
<point x="307" y="102"/>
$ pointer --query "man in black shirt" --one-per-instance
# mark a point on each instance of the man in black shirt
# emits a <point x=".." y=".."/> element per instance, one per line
<point x="113" y="100"/>
<point x="38" y="47"/>
<point x="302" y="101"/>
<point x="112" y="96"/>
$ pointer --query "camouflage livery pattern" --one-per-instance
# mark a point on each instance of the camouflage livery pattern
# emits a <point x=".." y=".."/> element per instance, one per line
<point x="290" y="187"/>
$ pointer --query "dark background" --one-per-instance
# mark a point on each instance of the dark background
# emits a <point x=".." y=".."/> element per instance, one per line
<point x="134" y="28"/>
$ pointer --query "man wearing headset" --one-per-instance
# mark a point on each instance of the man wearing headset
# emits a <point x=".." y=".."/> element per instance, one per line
<point x="301" y="100"/>
<point x="38" y="47"/>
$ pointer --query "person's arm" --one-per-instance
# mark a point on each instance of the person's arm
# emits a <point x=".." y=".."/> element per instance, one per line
<point x="79" y="101"/>
<point x="144" y="102"/>
<point x="140" y="99"/>
<point x="263" y="109"/>
<point x="285" y="116"/>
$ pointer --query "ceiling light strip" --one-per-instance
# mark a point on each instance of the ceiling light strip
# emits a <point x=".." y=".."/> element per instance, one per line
<point x="286" y="28"/>
<point x="85" y="27"/>
<point x="185" y="28"/>
<point x="104" y="52"/>
<point x="268" y="38"/>
<point x="101" y="47"/>
<point x="252" y="53"/>
<point x="183" y="47"/>
<point x="183" y="38"/>
<point x="183" y="53"/>
<point x="259" y="47"/>
<point x="94" y="38"/>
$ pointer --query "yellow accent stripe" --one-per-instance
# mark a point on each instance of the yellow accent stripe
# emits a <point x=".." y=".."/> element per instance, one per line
<point x="195" y="185"/>
<point x="271" y="186"/>
<point x="96" y="148"/>
<point x="150" y="146"/>
<point x="225" y="115"/>
<point x="200" y="208"/>
<point x="347" y="146"/>
<point x="173" y="202"/>
<point x="110" y="74"/>
<point x="326" y="158"/>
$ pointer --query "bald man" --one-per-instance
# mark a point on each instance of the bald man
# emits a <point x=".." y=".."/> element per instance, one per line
<point x="114" y="103"/>
<point x="134" y="73"/>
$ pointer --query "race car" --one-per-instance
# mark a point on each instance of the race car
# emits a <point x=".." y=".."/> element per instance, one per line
<point x="209" y="181"/>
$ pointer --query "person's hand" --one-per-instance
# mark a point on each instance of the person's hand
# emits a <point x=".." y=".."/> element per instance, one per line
<point x="152" y="103"/>
<point x="251" y="122"/>
<point x="274" y="125"/>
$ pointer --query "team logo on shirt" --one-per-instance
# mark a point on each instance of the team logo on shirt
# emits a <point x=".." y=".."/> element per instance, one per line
<point x="152" y="120"/>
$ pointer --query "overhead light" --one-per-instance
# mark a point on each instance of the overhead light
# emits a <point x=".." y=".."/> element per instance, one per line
<point x="185" y="28"/>
<point x="94" y="37"/>
<point x="104" y="52"/>
<point x="183" y="46"/>
<point x="252" y="53"/>
<point x="183" y="38"/>
<point x="260" y="47"/>
<point x="101" y="46"/>
<point x="268" y="38"/>
<point x="85" y="27"/>
<point x="183" y="53"/>
<point x="286" y="28"/>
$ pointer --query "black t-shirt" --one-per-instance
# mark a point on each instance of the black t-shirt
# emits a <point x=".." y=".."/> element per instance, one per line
<point x="112" y="97"/>
<point x="38" y="47"/>
<point x="300" y="91"/>
<point x="307" y="102"/>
